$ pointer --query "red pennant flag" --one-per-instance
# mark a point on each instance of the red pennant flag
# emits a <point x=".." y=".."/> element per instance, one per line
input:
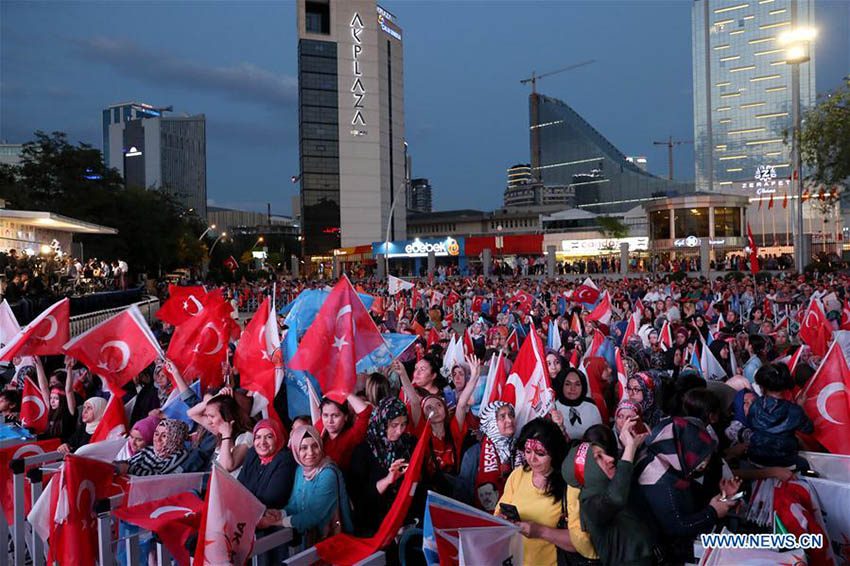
<point x="761" y="202"/>
<point x="524" y="302"/>
<point x="530" y="377"/>
<point x="639" y="307"/>
<point x="418" y="329"/>
<point x="815" y="330"/>
<point x="230" y="516"/>
<point x="666" y="338"/>
<point x="770" y="202"/>
<point x="587" y="292"/>
<point x="44" y="336"/>
<point x="477" y="301"/>
<point x="622" y="380"/>
<point x="174" y="519"/>
<point x="346" y="550"/>
<point x="785" y="201"/>
<point x="199" y="345"/>
<point x="751" y="243"/>
<point x="631" y="328"/>
<point x="468" y="346"/>
<point x="253" y="358"/>
<point x="117" y="349"/>
<point x="183" y="303"/>
<point x="826" y="402"/>
<point x="73" y="533"/>
<point x="378" y="306"/>
<point x="602" y="312"/>
<point x="113" y="424"/>
<point x="595" y="344"/>
<point x="497" y="388"/>
<point x="513" y="341"/>
<point x="7" y="495"/>
<point x="450" y="318"/>
<point x="433" y="337"/>
<point x="436" y="299"/>
<point x="340" y="336"/>
<point x="452" y="299"/>
<point x="33" y="408"/>
<point x="845" y="316"/>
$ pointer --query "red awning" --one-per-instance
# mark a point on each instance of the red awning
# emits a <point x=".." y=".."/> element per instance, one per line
<point x="527" y="244"/>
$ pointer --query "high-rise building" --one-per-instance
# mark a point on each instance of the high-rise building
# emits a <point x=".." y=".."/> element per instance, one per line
<point x="351" y="124"/>
<point x="567" y="151"/>
<point x="420" y="195"/>
<point x="743" y="91"/>
<point x="10" y="153"/>
<point x="154" y="151"/>
<point x="520" y="174"/>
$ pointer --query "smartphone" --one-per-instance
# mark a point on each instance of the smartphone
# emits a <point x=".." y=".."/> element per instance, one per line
<point x="510" y="512"/>
<point x="734" y="497"/>
<point x="810" y="474"/>
<point x="639" y="427"/>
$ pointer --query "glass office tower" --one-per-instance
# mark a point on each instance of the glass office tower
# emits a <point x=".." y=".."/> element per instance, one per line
<point x="742" y="90"/>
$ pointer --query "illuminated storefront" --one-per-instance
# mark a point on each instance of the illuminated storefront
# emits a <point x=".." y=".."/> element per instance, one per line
<point x="414" y="253"/>
<point x="678" y="225"/>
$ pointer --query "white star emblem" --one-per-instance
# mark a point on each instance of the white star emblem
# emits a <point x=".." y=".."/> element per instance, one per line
<point x="339" y="342"/>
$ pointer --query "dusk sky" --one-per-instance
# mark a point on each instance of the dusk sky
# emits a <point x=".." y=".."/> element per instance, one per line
<point x="61" y="63"/>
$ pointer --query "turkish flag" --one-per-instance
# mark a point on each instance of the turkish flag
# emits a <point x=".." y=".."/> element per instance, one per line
<point x="231" y="263"/>
<point x="524" y="302"/>
<point x="199" y="345"/>
<point x="622" y="380"/>
<point x="530" y="377"/>
<point x="183" y="303"/>
<point x="468" y="345"/>
<point x="436" y="299"/>
<point x="477" y="301"/>
<point x="230" y="516"/>
<point x="253" y="359"/>
<point x="513" y="341"/>
<point x="345" y="549"/>
<point x="785" y="201"/>
<point x="666" y="338"/>
<point x="751" y="243"/>
<point x="9" y="326"/>
<point x="602" y="312"/>
<point x="587" y="292"/>
<point x="826" y="401"/>
<point x="113" y="424"/>
<point x="770" y="202"/>
<point x="631" y="328"/>
<point x="173" y="519"/>
<point x="639" y="307"/>
<point x="340" y="336"/>
<point x="43" y="336"/>
<point x="7" y="496"/>
<point x="595" y="343"/>
<point x="497" y="388"/>
<point x="117" y="349"/>
<point x="433" y="337"/>
<point x="33" y="408"/>
<point x="73" y="534"/>
<point x="815" y="330"/>
<point x="452" y="299"/>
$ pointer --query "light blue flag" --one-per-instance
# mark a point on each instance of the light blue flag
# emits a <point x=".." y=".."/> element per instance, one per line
<point x="394" y="346"/>
<point x="553" y="338"/>
<point x="300" y="314"/>
<point x="9" y="431"/>
<point x="176" y="408"/>
<point x="695" y="362"/>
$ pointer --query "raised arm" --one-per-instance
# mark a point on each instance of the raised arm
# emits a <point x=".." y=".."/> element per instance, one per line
<point x="172" y="370"/>
<point x="357" y="404"/>
<point x="42" y="382"/>
<point x="196" y="413"/>
<point x="410" y="392"/>
<point x="465" y="399"/>
<point x="69" y="385"/>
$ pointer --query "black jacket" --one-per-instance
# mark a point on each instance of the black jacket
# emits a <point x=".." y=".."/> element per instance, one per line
<point x="272" y="483"/>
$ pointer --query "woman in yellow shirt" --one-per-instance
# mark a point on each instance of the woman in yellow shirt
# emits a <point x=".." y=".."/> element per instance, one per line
<point x="537" y="490"/>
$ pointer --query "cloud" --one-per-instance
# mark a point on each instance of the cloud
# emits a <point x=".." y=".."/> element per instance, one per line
<point x="243" y="81"/>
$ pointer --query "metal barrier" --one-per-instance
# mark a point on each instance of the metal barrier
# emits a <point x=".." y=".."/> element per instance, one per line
<point x="310" y="556"/>
<point x="23" y="533"/>
<point x="82" y="322"/>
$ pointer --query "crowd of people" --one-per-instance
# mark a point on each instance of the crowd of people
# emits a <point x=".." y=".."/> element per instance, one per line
<point x="618" y="470"/>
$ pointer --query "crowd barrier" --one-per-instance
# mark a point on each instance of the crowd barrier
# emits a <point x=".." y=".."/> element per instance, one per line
<point x="82" y="322"/>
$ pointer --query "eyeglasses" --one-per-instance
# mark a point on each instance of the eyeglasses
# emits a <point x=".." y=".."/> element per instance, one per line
<point x="634" y="389"/>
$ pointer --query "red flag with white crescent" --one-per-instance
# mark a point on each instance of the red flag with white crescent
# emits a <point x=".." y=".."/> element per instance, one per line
<point x="666" y="338"/>
<point x="751" y="243"/>
<point x="183" y="303"/>
<point x="845" y="316"/>
<point x="513" y="341"/>
<point x="117" y="349"/>
<point x="33" y="408"/>
<point x="826" y="401"/>
<point x="631" y="327"/>
<point x="44" y="336"/>
<point x="815" y="330"/>
<point x="587" y="292"/>
<point x="7" y="495"/>
<point x="602" y="312"/>
<point x="113" y="423"/>
<point x="253" y="358"/>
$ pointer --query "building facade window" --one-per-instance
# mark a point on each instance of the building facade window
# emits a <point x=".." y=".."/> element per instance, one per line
<point x="659" y="225"/>
<point x="691" y="222"/>
<point x="727" y="222"/>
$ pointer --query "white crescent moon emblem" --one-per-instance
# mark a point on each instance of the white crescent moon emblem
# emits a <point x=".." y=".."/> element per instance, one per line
<point x="170" y="509"/>
<point x="28" y="450"/>
<point x="198" y="304"/>
<point x="54" y="328"/>
<point x="125" y="354"/>
<point x="218" y="344"/>
<point x="86" y="485"/>
<point x="809" y="317"/>
<point x="261" y="336"/>
<point x="823" y="397"/>
<point x="116" y="432"/>
<point x="343" y="311"/>
<point x="38" y="403"/>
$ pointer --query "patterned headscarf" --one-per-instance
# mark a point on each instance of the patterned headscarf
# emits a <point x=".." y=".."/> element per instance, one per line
<point x="487" y="417"/>
<point x="678" y="446"/>
<point x="387" y="452"/>
<point x="636" y="351"/>
<point x="650" y="385"/>
<point x="176" y="432"/>
<point x="298" y="435"/>
<point x="279" y="437"/>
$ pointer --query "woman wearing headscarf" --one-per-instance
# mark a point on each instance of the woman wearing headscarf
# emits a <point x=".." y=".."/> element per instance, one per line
<point x="720" y="349"/>
<point x="92" y="412"/>
<point x="269" y="468"/>
<point x="378" y="464"/>
<point x="626" y="412"/>
<point x="643" y="389"/>
<point x="493" y="459"/>
<point x="318" y="506"/>
<point x="618" y="533"/>
<point x="166" y="454"/>
<point x="576" y="410"/>
<point x="740" y="429"/>
<point x="141" y="436"/>
<point x="677" y="452"/>
<point x="637" y="352"/>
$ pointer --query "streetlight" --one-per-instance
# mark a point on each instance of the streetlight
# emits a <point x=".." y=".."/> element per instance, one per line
<point x="797" y="41"/>
<point x="220" y="236"/>
<point x="211" y="227"/>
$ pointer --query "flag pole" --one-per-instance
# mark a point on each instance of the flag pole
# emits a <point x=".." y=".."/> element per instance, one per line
<point x="761" y="210"/>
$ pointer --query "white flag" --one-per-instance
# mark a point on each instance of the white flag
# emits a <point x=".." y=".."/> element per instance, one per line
<point x="489" y="545"/>
<point x="395" y="285"/>
<point x="9" y="327"/>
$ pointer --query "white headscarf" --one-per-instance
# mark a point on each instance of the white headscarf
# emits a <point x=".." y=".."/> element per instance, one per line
<point x="98" y="406"/>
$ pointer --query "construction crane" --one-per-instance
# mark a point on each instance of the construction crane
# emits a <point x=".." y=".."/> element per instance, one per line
<point x="535" y="77"/>
<point x="671" y="143"/>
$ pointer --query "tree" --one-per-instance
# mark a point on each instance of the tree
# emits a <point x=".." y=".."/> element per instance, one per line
<point x="612" y="228"/>
<point x="825" y="142"/>
<point x="55" y="176"/>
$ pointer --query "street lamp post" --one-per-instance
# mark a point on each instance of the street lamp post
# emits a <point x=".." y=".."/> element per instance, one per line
<point x="796" y="40"/>
<point x="220" y="236"/>
<point x="210" y="227"/>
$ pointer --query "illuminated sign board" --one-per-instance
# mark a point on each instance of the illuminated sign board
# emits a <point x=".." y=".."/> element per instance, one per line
<point x="441" y="247"/>
<point x="766" y="181"/>
<point x="693" y="242"/>
<point x="593" y="245"/>
<point x="387" y="26"/>
<point x="358" y="91"/>
<point x="133" y="152"/>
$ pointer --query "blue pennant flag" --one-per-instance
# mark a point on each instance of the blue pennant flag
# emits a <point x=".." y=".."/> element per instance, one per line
<point x="176" y="408"/>
<point x="394" y="346"/>
<point x="562" y="306"/>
